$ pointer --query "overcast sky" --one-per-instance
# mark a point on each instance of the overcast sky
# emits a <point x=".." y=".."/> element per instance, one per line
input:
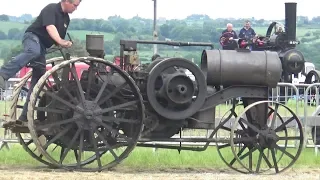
<point x="178" y="9"/>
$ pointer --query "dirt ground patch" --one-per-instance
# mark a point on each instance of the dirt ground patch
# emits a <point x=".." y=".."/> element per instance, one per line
<point x="43" y="173"/>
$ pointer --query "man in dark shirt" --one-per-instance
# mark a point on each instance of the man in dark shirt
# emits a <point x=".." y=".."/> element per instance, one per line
<point x="227" y="38"/>
<point x="49" y="28"/>
<point x="247" y="32"/>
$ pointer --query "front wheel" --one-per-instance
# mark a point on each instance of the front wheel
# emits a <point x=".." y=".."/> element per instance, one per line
<point x="274" y="135"/>
<point x="86" y="115"/>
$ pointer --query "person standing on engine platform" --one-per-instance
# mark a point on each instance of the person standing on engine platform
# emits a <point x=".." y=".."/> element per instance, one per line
<point x="227" y="38"/>
<point x="247" y="32"/>
<point x="48" y="29"/>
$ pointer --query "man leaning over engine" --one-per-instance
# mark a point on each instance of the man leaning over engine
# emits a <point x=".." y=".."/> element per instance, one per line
<point x="49" y="28"/>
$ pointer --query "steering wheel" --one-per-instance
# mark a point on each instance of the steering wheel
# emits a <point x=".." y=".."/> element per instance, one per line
<point x="59" y="48"/>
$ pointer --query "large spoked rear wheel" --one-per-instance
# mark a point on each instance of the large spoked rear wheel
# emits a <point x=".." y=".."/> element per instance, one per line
<point x="100" y="113"/>
<point x="276" y="134"/>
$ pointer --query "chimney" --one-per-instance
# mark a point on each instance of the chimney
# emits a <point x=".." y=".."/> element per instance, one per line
<point x="291" y="21"/>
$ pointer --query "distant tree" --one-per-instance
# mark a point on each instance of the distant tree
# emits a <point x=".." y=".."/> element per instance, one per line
<point x="165" y="30"/>
<point x="14" y="52"/>
<point x="4" y="17"/>
<point x="3" y="35"/>
<point x="14" y="33"/>
<point x="4" y="52"/>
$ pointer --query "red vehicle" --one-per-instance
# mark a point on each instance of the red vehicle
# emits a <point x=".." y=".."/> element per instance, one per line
<point x="80" y="67"/>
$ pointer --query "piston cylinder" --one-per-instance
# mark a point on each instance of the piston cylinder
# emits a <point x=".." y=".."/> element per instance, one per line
<point x="95" y="45"/>
<point x="232" y="67"/>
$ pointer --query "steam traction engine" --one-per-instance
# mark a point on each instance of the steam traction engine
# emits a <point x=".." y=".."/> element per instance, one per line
<point x="104" y="114"/>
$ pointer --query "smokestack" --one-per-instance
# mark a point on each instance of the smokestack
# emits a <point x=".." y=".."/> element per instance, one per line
<point x="291" y="21"/>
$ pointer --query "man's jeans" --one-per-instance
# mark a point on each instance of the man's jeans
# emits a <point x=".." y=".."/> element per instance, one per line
<point x="33" y="53"/>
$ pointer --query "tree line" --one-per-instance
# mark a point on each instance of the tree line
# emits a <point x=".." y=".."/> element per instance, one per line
<point x="197" y="27"/>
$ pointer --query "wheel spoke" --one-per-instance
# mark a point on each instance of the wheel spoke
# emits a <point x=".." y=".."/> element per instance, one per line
<point x="73" y="140"/>
<point x="285" y="152"/>
<point x="250" y="125"/>
<point x="283" y="125"/>
<point x="290" y="138"/>
<point x="251" y="150"/>
<point x="63" y="87"/>
<point x="259" y="161"/>
<point x="274" y="116"/>
<point x="119" y="120"/>
<point x="54" y="96"/>
<point x="90" y="74"/>
<point x="56" y="137"/>
<point x="107" y="145"/>
<point x="274" y="160"/>
<point x="114" y="92"/>
<point x="49" y="125"/>
<point x="80" y="148"/>
<point x="103" y="87"/>
<point x="266" y="159"/>
<point x="51" y="110"/>
<point x="76" y="78"/>
<point x="95" y="148"/>
<point x="243" y="140"/>
<point x="239" y="153"/>
<point x="113" y="108"/>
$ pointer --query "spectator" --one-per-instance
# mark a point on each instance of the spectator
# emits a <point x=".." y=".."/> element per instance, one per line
<point x="247" y="32"/>
<point x="227" y="38"/>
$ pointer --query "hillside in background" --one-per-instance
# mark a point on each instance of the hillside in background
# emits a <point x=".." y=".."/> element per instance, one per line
<point x="199" y="28"/>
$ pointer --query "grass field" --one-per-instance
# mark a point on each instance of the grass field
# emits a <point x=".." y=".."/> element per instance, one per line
<point x="9" y="43"/>
<point x="81" y="35"/>
<point x="146" y="158"/>
<point x="6" y="26"/>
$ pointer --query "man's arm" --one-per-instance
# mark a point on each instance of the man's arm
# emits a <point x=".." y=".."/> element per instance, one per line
<point x="253" y="32"/>
<point x="235" y="36"/>
<point x="53" y="32"/>
<point x="241" y="34"/>
<point x="49" y="21"/>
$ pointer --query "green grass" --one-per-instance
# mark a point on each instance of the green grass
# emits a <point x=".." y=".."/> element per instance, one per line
<point x="147" y="159"/>
<point x="81" y="34"/>
<point x="10" y="42"/>
<point x="6" y="26"/>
